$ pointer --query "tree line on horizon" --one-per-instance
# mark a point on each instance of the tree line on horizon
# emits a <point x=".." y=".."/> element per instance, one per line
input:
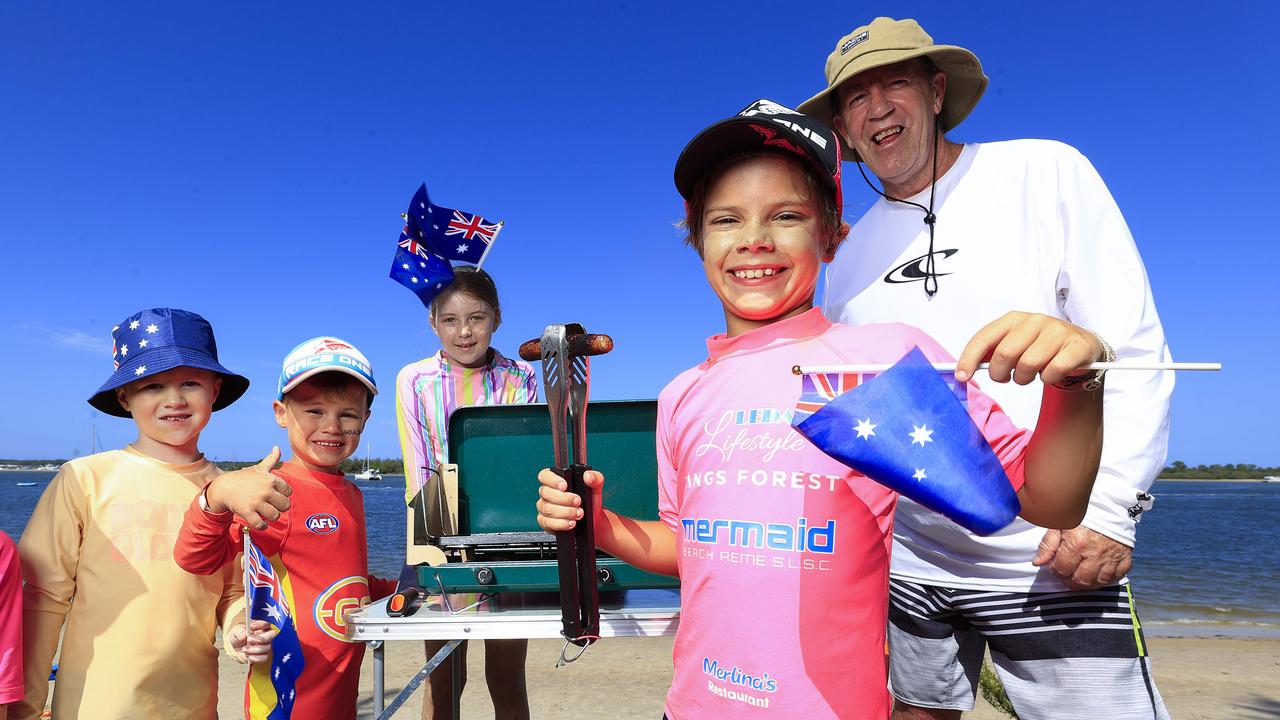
<point x="385" y="466"/>
<point x="1243" y="471"/>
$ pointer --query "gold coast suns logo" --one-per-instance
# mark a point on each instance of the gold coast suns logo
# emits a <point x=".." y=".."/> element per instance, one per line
<point x="333" y="605"/>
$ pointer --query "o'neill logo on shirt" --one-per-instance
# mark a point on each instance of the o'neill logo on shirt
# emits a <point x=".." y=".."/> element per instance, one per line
<point x="322" y="523"/>
<point x="914" y="270"/>
<point x="331" y="609"/>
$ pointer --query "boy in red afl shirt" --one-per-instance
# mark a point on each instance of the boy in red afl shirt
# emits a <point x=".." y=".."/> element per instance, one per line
<point x="308" y="519"/>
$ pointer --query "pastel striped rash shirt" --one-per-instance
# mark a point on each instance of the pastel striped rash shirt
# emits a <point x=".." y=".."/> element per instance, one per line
<point x="428" y="391"/>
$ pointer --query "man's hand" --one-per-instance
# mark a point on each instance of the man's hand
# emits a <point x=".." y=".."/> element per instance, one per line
<point x="1022" y="345"/>
<point x="255" y="646"/>
<point x="1083" y="558"/>
<point x="252" y="493"/>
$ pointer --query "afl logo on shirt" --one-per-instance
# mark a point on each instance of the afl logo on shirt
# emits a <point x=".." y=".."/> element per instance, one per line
<point x="333" y="605"/>
<point x="322" y="523"/>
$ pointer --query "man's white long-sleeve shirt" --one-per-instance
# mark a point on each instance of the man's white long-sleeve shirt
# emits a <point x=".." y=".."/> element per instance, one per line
<point x="1021" y="225"/>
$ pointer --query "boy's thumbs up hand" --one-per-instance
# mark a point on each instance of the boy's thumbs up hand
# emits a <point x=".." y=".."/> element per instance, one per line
<point x="268" y="463"/>
<point x="253" y="493"/>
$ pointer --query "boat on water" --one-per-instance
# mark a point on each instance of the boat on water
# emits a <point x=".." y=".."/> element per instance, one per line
<point x="25" y="484"/>
<point x="368" y="473"/>
<point x="1271" y="479"/>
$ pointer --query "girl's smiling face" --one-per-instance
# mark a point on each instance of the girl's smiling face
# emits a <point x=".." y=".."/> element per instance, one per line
<point x="762" y="245"/>
<point x="465" y="325"/>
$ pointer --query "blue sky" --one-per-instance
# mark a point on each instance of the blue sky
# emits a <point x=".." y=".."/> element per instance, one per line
<point x="249" y="162"/>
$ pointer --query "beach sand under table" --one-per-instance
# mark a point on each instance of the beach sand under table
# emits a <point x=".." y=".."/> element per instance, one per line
<point x="1200" y="677"/>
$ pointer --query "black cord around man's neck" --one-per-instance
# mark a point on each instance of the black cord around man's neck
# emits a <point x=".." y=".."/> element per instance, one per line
<point x="930" y="272"/>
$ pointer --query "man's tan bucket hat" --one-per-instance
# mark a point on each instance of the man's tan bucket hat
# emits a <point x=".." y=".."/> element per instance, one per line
<point x="887" y="41"/>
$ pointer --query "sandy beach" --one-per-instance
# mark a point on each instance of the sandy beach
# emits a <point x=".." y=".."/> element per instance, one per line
<point x="1200" y="678"/>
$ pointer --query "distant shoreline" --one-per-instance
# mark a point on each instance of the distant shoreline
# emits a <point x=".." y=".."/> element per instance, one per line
<point x="1163" y="479"/>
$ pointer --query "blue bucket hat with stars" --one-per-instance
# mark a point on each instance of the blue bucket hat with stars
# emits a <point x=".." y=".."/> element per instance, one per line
<point x="157" y="340"/>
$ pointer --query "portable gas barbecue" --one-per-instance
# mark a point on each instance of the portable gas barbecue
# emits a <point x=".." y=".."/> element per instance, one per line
<point x="473" y="528"/>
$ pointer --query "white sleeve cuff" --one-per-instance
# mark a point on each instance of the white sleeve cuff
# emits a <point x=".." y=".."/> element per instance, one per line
<point x="1114" y="510"/>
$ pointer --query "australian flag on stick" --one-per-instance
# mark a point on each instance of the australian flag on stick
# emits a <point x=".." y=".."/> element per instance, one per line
<point x="452" y="234"/>
<point x="431" y="238"/>
<point x="266" y="600"/>
<point x="909" y="429"/>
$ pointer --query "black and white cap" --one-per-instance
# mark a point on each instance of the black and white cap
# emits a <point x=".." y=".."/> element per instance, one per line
<point x="762" y="124"/>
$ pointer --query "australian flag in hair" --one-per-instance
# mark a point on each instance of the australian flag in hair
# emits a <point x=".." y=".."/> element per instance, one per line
<point x="420" y="270"/>
<point x="908" y="428"/>
<point x="271" y="697"/>
<point x="452" y="234"/>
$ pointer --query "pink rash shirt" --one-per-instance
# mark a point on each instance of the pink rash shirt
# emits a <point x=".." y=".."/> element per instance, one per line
<point x="783" y="552"/>
<point x="10" y="622"/>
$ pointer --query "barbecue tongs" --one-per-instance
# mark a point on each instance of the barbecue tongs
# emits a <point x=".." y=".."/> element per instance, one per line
<point x="566" y="381"/>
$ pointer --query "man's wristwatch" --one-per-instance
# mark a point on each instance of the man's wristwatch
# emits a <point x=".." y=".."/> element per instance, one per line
<point x="1091" y="380"/>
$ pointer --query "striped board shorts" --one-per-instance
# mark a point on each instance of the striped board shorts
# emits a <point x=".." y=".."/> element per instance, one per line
<point x="1069" y="654"/>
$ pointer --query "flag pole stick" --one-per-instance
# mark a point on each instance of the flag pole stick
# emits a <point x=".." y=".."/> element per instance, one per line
<point x="489" y="246"/>
<point x="950" y="367"/>
<point x="244" y="565"/>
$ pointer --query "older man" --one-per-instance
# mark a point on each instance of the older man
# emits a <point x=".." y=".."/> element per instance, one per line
<point x="962" y="233"/>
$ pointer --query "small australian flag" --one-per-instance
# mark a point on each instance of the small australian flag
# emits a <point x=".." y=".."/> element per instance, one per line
<point x="452" y="234"/>
<point x="908" y="429"/>
<point x="420" y="270"/>
<point x="265" y="595"/>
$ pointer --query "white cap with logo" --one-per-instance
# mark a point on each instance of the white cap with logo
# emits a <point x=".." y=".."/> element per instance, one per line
<point x="324" y="354"/>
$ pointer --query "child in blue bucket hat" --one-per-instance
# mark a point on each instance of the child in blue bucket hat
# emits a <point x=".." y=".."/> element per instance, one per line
<point x="97" y="553"/>
<point x="156" y="341"/>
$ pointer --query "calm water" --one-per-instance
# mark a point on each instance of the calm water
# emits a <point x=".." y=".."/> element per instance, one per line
<point x="383" y="500"/>
<point x="1206" y="553"/>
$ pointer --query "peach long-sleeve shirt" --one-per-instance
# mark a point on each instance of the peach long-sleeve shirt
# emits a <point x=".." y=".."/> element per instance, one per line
<point x="97" y="556"/>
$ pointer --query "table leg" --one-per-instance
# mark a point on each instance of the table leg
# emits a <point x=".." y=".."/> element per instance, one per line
<point x="417" y="680"/>
<point x="379" y="674"/>
<point x="456" y="694"/>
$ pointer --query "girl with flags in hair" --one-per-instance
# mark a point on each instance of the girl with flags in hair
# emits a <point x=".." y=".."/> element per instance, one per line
<point x="465" y="371"/>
